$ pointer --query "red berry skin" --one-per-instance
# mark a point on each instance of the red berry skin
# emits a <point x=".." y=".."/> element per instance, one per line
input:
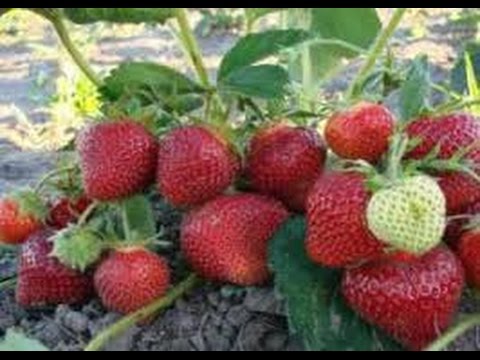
<point x="194" y="166"/>
<point x="362" y="132"/>
<point x="227" y="239"/>
<point x="414" y="302"/>
<point x="67" y="211"/>
<point x="131" y="278"/>
<point x="453" y="133"/>
<point x="468" y="251"/>
<point x="43" y="280"/>
<point x="284" y="162"/>
<point x="15" y="228"/>
<point x="457" y="227"/>
<point x="118" y="159"/>
<point x="338" y="235"/>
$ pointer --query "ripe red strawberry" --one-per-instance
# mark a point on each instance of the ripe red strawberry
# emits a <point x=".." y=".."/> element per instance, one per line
<point x="21" y="215"/>
<point x="66" y="211"/>
<point x="338" y="234"/>
<point x="452" y="134"/>
<point x="118" y="159"/>
<point x="131" y="278"/>
<point x="457" y="226"/>
<point x="285" y="162"/>
<point x="413" y="301"/>
<point x="362" y="132"/>
<point x="194" y="166"/>
<point x="43" y="280"/>
<point x="468" y="250"/>
<point x="227" y="239"/>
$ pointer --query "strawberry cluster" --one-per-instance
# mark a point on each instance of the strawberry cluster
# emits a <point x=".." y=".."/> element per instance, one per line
<point x="379" y="213"/>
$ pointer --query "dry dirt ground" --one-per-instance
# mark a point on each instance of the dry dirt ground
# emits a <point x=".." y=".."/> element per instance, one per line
<point x="213" y="318"/>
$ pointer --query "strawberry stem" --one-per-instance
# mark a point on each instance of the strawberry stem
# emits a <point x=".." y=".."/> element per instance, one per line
<point x="121" y="326"/>
<point x="377" y="49"/>
<point x="454" y="333"/>
<point x="43" y="181"/>
<point x="87" y="213"/>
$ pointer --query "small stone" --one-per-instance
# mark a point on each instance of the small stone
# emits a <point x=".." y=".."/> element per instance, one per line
<point x="50" y="334"/>
<point x="213" y="299"/>
<point x="215" y="340"/>
<point x="181" y="345"/>
<point x="238" y="315"/>
<point x="76" y="321"/>
<point x="198" y="342"/>
<point x="264" y="301"/>
<point x="223" y="307"/>
<point x="275" y="341"/>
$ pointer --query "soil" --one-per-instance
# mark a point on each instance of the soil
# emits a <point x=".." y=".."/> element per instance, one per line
<point x="212" y="317"/>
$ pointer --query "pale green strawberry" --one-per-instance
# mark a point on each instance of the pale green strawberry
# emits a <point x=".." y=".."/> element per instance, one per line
<point x="409" y="216"/>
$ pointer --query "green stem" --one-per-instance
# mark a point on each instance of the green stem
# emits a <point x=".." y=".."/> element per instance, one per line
<point x="375" y="53"/>
<point x="338" y="43"/>
<point x="87" y="213"/>
<point x="5" y="284"/>
<point x="126" y="225"/>
<point x="121" y="326"/>
<point x="190" y="46"/>
<point x="76" y="55"/>
<point x="51" y="175"/>
<point x="454" y="333"/>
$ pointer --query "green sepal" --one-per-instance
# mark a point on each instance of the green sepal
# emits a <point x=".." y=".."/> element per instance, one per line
<point x="30" y="204"/>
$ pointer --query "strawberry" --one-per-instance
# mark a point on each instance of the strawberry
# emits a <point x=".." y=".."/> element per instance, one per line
<point x="468" y="250"/>
<point x="227" y="239"/>
<point x="338" y="235"/>
<point x="195" y="165"/>
<point x="131" y="278"/>
<point x="413" y="301"/>
<point x="21" y="215"/>
<point x="118" y="159"/>
<point x="450" y="135"/>
<point x="457" y="227"/>
<point x="362" y="132"/>
<point x="410" y="215"/>
<point x="66" y="211"/>
<point x="43" y="280"/>
<point x="285" y="162"/>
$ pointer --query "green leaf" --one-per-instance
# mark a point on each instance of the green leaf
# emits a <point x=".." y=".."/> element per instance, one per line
<point x="140" y="217"/>
<point x="254" y="14"/>
<point x="15" y="341"/>
<point x="138" y="77"/>
<point x="459" y="73"/>
<point x="415" y="92"/>
<point x="119" y="15"/>
<point x="256" y="47"/>
<point x="316" y="310"/>
<point x="262" y="81"/>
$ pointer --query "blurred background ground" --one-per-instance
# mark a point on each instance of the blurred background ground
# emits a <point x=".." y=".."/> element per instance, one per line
<point x="40" y="85"/>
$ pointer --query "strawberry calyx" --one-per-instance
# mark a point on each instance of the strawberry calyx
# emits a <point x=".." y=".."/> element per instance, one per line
<point x="30" y="204"/>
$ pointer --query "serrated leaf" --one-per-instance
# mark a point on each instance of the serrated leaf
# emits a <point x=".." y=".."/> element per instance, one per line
<point x="142" y="77"/>
<point x="262" y="81"/>
<point x="316" y="311"/>
<point x="15" y="341"/>
<point x="416" y="90"/>
<point x="119" y="15"/>
<point x="140" y="217"/>
<point x="256" y="47"/>
<point x="459" y="74"/>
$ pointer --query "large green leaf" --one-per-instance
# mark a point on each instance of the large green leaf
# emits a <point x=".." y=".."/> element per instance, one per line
<point x="459" y="74"/>
<point x="152" y="83"/>
<point x="415" y="92"/>
<point x="140" y="217"/>
<point x="316" y="310"/>
<point x="262" y="81"/>
<point x="256" y="47"/>
<point x="15" y="341"/>
<point x="119" y="15"/>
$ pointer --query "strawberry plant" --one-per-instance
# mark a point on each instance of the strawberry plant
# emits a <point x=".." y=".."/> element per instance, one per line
<point x="365" y="266"/>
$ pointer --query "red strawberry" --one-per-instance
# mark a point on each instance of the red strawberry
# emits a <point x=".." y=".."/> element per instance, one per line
<point x="362" y="132"/>
<point x="118" y="159"/>
<point x="457" y="226"/>
<point x="227" y="239"/>
<point x="285" y="162"/>
<point x="131" y="278"/>
<point x="469" y="252"/>
<point x="338" y="235"/>
<point x="412" y="301"/>
<point x="452" y="134"/>
<point x="43" y="280"/>
<point x="194" y="166"/>
<point x="66" y="211"/>
<point x="20" y="216"/>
